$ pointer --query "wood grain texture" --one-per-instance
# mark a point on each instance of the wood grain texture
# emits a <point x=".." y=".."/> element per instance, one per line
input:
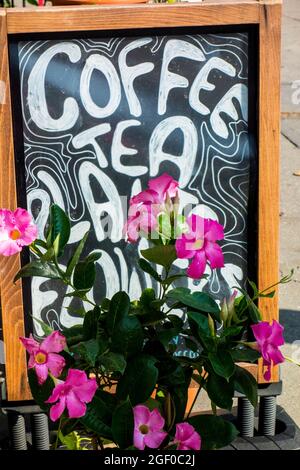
<point x="103" y="17"/>
<point x="269" y="153"/>
<point x="11" y="295"/>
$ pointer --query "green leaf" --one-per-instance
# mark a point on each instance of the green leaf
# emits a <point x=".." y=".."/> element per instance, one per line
<point x="89" y="350"/>
<point x="244" y="355"/>
<point x="113" y="362"/>
<point x="40" y="393"/>
<point x="222" y="363"/>
<point x="74" y="334"/>
<point x="231" y="331"/>
<point x="118" y="308"/>
<point x="127" y="337"/>
<point x="76" y="256"/>
<point x="60" y="225"/>
<point x="139" y="379"/>
<point x="84" y="276"/>
<point x="71" y="440"/>
<point x="123" y="424"/>
<point x="90" y="323"/>
<point x="245" y="383"/>
<point x="93" y="419"/>
<point x="215" y="432"/>
<point x="38" y="269"/>
<point x="46" y="328"/>
<point x="196" y="300"/>
<point x="147" y="268"/>
<point x="199" y="326"/>
<point x="175" y="320"/>
<point x="169" y="280"/>
<point x="220" y="391"/>
<point x="164" y="255"/>
<point x="93" y="257"/>
<point x="254" y="313"/>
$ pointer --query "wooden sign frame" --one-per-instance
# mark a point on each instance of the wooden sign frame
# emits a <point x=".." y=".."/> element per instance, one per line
<point x="266" y="14"/>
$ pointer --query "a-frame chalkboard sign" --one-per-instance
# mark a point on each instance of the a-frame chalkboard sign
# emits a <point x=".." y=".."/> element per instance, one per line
<point x="95" y="100"/>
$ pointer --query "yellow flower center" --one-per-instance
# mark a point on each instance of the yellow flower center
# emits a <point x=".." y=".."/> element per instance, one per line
<point x="15" y="234"/>
<point x="40" y="358"/>
<point x="198" y="244"/>
<point x="144" y="429"/>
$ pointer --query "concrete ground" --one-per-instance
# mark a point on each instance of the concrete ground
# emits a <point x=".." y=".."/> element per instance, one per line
<point x="289" y="294"/>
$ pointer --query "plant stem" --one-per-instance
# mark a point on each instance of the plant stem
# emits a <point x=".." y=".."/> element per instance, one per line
<point x="58" y="431"/>
<point x="194" y="401"/>
<point x="289" y="359"/>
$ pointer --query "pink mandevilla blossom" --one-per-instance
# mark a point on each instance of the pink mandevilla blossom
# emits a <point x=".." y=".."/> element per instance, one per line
<point x="72" y="394"/>
<point x="186" y="437"/>
<point x="147" y="205"/>
<point x="268" y="338"/>
<point x="148" y="428"/>
<point x="44" y="357"/>
<point x="16" y="230"/>
<point x="199" y="244"/>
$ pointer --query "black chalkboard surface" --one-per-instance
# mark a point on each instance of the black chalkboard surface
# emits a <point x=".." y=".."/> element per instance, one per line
<point x="101" y="115"/>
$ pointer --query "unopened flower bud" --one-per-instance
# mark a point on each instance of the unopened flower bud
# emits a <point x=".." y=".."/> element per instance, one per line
<point x="211" y="325"/>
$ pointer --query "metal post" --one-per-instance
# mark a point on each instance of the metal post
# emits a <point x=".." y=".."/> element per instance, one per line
<point x="267" y="416"/>
<point x="40" y="431"/>
<point x="245" y="417"/>
<point x="17" y="431"/>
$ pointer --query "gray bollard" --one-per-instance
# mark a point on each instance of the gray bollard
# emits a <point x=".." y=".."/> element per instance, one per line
<point x="267" y="416"/>
<point x="245" y="417"/>
<point x="17" y="430"/>
<point x="40" y="431"/>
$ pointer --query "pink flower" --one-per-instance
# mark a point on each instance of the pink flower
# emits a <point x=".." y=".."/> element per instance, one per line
<point x="200" y="244"/>
<point x="147" y="205"/>
<point x="268" y="338"/>
<point x="43" y="355"/>
<point x="141" y="219"/>
<point x="74" y="393"/>
<point x="16" y="230"/>
<point x="186" y="437"/>
<point x="148" y="427"/>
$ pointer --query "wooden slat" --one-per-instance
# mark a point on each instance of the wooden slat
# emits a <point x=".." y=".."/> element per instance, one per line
<point x="94" y="17"/>
<point x="269" y="151"/>
<point x="11" y="295"/>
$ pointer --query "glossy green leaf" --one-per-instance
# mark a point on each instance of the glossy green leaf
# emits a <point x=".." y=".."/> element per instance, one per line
<point x="40" y="393"/>
<point x="84" y="276"/>
<point x="76" y="256"/>
<point x="139" y="379"/>
<point x="147" y="268"/>
<point x="164" y="255"/>
<point x="127" y="337"/>
<point x="38" y="269"/>
<point x="60" y="225"/>
<point x="244" y="355"/>
<point x="123" y="424"/>
<point x="118" y="308"/>
<point x="90" y="323"/>
<point x="113" y="362"/>
<point x="215" y="432"/>
<point x="197" y="300"/>
<point x="222" y="363"/>
<point x="245" y="383"/>
<point x="220" y="391"/>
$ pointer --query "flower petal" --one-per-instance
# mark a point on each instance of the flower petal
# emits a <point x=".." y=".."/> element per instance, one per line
<point x="41" y="372"/>
<point x="214" y="254"/>
<point x="138" y="439"/>
<point x="57" y="409"/>
<point x="9" y="247"/>
<point x="197" y="266"/>
<point x="182" y="247"/>
<point x="54" y="343"/>
<point x="276" y="336"/>
<point x="76" y="407"/>
<point x="141" y="415"/>
<point x="156" y="422"/>
<point x="55" y="363"/>
<point x="85" y="392"/>
<point x="147" y="196"/>
<point x="196" y="225"/>
<point x="261" y="331"/>
<point x="56" y="392"/>
<point x="76" y="377"/>
<point x="31" y="345"/>
<point x="183" y="431"/>
<point x="164" y="185"/>
<point x="213" y="230"/>
<point x="154" y="439"/>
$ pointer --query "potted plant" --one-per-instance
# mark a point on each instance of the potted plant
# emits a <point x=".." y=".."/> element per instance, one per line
<point x="115" y="377"/>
